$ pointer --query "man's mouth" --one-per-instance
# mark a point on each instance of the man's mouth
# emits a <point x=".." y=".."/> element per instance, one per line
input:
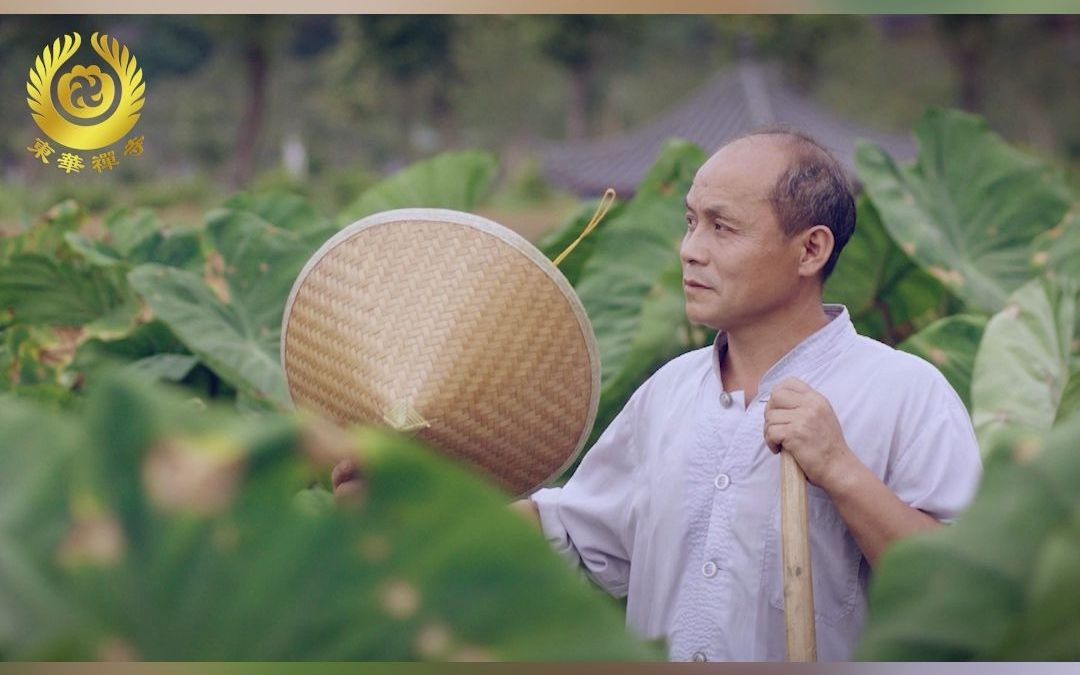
<point x="690" y="283"/>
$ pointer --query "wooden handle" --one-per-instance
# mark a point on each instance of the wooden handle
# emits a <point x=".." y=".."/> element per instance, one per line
<point x="795" y="540"/>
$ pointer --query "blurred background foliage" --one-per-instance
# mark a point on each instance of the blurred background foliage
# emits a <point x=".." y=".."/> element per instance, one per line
<point x="153" y="477"/>
<point x="325" y="105"/>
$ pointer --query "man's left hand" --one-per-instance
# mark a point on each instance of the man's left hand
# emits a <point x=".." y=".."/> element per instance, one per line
<point x="802" y="421"/>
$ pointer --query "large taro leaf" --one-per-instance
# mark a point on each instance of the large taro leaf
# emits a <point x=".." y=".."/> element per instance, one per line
<point x="999" y="584"/>
<point x="151" y="349"/>
<point x="452" y="180"/>
<point x="1070" y="399"/>
<point x="231" y="316"/>
<point x="631" y="283"/>
<point x="260" y="263"/>
<point x="42" y="290"/>
<point x="950" y="344"/>
<point x="36" y="447"/>
<point x="133" y="237"/>
<point x="35" y="360"/>
<point x="970" y="209"/>
<point x="888" y="296"/>
<point x="554" y="243"/>
<point x="1059" y="247"/>
<point x="286" y="211"/>
<point x="1028" y="355"/>
<point x="188" y="540"/>
<point x="663" y="333"/>
<point x="216" y="331"/>
<point x="46" y="235"/>
<point x="50" y="306"/>
<point x="71" y="294"/>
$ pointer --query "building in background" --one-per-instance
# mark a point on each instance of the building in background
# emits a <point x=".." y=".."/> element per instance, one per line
<point x="741" y="99"/>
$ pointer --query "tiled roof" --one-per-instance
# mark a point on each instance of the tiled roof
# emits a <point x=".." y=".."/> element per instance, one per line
<point x="744" y="98"/>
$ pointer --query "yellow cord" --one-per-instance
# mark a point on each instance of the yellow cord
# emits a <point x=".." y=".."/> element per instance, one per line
<point x="602" y="208"/>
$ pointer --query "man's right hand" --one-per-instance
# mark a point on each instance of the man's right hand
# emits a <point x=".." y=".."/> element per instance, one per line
<point x="527" y="509"/>
<point x="347" y="480"/>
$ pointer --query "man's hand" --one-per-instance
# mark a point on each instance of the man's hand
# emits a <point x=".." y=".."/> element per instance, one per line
<point x="802" y="421"/>
<point x="527" y="509"/>
<point x="347" y="480"/>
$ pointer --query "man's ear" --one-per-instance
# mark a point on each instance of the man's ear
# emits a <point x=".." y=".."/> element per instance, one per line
<point x="817" y="246"/>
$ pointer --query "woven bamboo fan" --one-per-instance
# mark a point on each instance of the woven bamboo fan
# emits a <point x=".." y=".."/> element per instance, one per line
<point x="450" y="327"/>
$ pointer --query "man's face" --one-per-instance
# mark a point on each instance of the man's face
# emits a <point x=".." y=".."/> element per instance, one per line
<point x="737" y="264"/>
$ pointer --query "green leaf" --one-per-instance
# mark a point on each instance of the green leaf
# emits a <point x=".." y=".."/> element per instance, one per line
<point x="173" y="367"/>
<point x="260" y="263"/>
<point x="231" y="317"/>
<point x="452" y="180"/>
<point x="969" y="209"/>
<point x="46" y="236"/>
<point x="1059" y="247"/>
<point x="188" y="541"/>
<point x="42" y="290"/>
<point x="134" y="237"/>
<point x="97" y="356"/>
<point x="554" y="243"/>
<point x="54" y="306"/>
<point x="887" y="295"/>
<point x="1070" y="399"/>
<point x="999" y="583"/>
<point x="34" y="356"/>
<point x="95" y="253"/>
<point x="1048" y="628"/>
<point x="37" y="445"/>
<point x="950" y="344"/>
<point x="286" y="211"/>
<point x="316" y="501"/>
<point x="631" y="284"/>
<point x="221" y="334"/>
<point x="1025" y="360"/>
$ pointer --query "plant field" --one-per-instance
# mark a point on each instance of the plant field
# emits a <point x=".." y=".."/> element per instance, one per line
<point x="160" y="500"/>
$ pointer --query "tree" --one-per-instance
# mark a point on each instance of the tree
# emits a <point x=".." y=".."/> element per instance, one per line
<point x="415" y="52"/>
<point x="578" y="43"/>
<point x="795" y="41"/>
<point x="256" y="40"/>
<point x="968" y="39"/>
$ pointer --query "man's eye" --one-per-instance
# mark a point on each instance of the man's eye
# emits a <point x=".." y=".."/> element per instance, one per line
<point x="720" y="226"/>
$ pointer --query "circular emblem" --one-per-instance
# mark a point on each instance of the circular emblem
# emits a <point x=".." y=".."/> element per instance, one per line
<point x="85" y="107"/>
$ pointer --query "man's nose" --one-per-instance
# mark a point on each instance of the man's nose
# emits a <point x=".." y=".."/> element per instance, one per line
<point x="692" y="250"/>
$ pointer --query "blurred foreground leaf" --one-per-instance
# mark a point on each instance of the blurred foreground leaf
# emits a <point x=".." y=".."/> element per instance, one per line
<point x="1000" y="583"/>
<point x="162" y="531"/>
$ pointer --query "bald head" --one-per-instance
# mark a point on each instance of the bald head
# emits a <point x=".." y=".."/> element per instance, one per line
<point x="803" y="182"/>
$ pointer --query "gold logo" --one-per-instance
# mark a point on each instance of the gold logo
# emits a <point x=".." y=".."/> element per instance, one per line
<point x="85" y="108"/>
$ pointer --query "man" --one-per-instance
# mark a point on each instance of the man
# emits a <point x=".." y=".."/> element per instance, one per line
<point x="677" y="504"/>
